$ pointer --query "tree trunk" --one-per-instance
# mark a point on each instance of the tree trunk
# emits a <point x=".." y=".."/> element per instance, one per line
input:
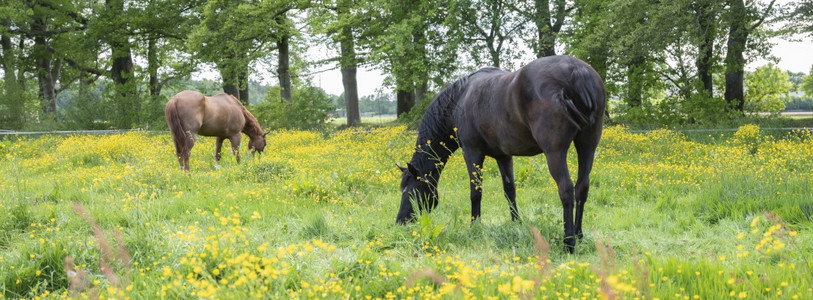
<point x="121" y="72"/>
<point x="405" y="100"/>
<point x="152" y="68"/>
<point x="284" y="64"/>
<point x="734" y="60"/>
<point x="44" y="72"/>
<point x="421" y="91"/>
<point x="12" y="93"/>
<point x="242" y="81"/>
<point x="156" y="106"/>
<point x="705" y="58"/>
<point x="231" y="89"/>
<point x="634" y="86"/>
<point x="122" y="75"/>
<point x="495" y="55"/>
<point x="230" y="82"/>
<point x="351" y="96"/>
<point x="546" y="38"/>
<point x="348" y="67"/>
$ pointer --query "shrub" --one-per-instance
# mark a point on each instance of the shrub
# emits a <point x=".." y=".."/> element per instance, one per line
<point x="307" y="110"/>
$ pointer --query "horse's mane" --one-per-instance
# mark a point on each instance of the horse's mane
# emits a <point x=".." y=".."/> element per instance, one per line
<point x="437" y="120"/>
<point x="437" y="124"/>
<point x="252" y="125"/>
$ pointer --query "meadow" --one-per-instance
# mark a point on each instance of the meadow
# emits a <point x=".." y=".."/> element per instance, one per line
<point x="668" y="217"/>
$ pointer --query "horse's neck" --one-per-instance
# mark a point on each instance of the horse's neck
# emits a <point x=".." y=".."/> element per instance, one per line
<point x="251" y="127"/>
<point x="431" y="157"/>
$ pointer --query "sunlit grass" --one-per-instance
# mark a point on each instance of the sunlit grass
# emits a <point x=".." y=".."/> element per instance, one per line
<point x="384" y="119"/>
<point x="314" y="217"/>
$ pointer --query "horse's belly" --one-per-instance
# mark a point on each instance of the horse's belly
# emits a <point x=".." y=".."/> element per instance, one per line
<point x="520" y="147"/>
<point x="216" y="131"/>
<point x="513" y="144"/>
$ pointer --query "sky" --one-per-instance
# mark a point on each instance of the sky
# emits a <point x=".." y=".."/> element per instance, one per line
<point x="793" y="56"/>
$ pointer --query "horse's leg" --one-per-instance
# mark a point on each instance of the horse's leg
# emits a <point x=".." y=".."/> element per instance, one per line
<point x="218" y="146"/>
<point x="179" y="150"/>
<point x="474" y="164"/>
<point x="585" y="144"/>
<point x="235" y="146"/>
<point x="557" y="165"/>
<point x="187" y="151"/>
<point x="506" y="166"/>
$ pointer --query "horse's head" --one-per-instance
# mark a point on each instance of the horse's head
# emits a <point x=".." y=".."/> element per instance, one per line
<point x="257" y="144"/>
<point x="415" y="188"/>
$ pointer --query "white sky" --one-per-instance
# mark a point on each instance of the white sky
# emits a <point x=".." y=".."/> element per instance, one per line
<point x="793" y="56"/>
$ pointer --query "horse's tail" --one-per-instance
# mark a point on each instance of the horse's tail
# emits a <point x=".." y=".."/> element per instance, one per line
<point x="584" y="96"/>
<point x="175" y="126"/>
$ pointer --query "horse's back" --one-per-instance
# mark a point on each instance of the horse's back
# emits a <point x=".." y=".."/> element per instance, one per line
<point x="575" y="80"/>
<point x="562" y="93"/>
<point x="223" y="116"/>
<point x="507" y="113"/>
<point x="218" y="115"/>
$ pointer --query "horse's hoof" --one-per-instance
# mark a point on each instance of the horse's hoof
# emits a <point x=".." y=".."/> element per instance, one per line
<point x="570" y="245"/>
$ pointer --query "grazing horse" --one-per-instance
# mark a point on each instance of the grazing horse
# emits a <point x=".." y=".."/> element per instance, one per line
<point x="541" y="108"/>
<point x="190" y="113"/>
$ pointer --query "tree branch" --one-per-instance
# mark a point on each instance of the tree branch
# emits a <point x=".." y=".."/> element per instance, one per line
<point x="76" y="65"/>
<point x="764" y="16"/>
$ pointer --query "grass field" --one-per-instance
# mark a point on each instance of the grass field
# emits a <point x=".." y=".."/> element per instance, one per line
<point x="365" y="120"/>
<point x="668" y="218"/>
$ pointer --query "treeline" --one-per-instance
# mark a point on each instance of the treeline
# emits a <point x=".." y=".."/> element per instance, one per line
<point x="113" y="63"/>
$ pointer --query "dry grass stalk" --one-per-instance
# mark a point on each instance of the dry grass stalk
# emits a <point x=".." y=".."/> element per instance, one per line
<point x="428" y="273"/>
<point x="607" y="256"/>
<point x="121" y="257"/>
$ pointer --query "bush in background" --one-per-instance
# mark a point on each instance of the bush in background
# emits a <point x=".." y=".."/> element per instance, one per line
<point x="307" y="110"/>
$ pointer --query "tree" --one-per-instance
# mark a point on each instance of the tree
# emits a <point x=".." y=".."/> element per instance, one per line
<point x="160" y="29"/>
<point x="800" y="19"/>
<point x="742" y="21"/>
<point x="765" y="87"/>
<point x="410" y="42"/>
<point x="343" y="21"/>
<point x="807" y="83"/>
<point x="234" y="33"/>
<point x="548" y="20"/>
<point x="489" y="25"/>
<point x="13" y="99"/>
<point x="40" y="25"/>
<point x="707" y="27"/>
<point x="590" y="36"/>
<point x="117" y="34"/>
<point x="284" y="57"/>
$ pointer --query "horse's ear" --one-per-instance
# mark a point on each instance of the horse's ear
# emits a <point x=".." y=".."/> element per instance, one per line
<point x="413" y="170"/>
<point x="400" y="167"/>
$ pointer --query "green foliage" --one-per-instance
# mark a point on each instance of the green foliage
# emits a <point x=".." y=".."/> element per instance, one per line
<point x="87" y="109"/>
<point x="413" y="117"/>
<point x="696" y="109"/>
<point x="308" y="109"/>
<point x="765" y="88"/>
<point x="430" y="231"/>
<point x="807" y="83"/>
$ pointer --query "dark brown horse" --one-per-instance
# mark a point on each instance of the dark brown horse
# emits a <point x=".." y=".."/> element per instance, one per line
<point x="542" y="108"/>
<point x="190" y="113"/>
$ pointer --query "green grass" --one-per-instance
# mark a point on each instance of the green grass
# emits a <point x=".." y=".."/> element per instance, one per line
<point x="314" y="217"/>
<point x="374" y="120"/>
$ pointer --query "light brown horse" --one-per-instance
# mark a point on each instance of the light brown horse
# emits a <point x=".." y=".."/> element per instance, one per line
<point x="190" y="113"/>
